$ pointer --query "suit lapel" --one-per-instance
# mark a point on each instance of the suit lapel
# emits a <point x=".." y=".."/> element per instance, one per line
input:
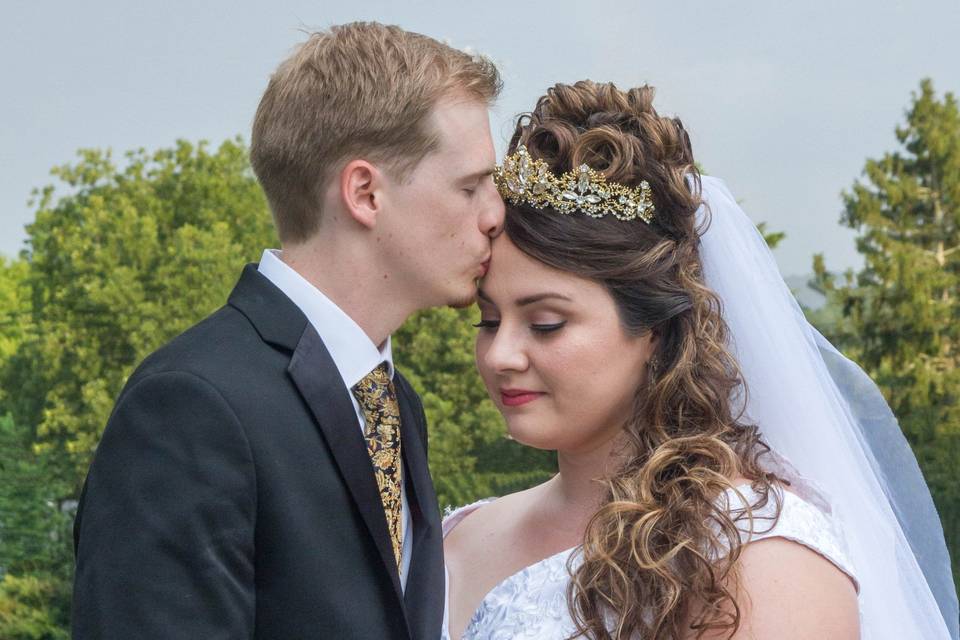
<point x="316" y="376"/>
<point x="281" y="323"/>
<point x="424" y="593"/>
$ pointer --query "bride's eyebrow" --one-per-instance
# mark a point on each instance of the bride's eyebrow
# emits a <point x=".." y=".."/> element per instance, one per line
<point x="537" y="297"/>
<point x="526" y="300"/>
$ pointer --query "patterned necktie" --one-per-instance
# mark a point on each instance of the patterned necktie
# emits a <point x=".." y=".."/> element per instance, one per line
<point x="378" y="401"/>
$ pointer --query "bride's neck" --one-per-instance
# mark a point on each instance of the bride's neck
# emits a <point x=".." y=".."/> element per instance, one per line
<point x="578" y="489"/>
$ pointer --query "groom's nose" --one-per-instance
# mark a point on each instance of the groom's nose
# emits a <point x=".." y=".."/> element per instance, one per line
<point x="491" y="218"/>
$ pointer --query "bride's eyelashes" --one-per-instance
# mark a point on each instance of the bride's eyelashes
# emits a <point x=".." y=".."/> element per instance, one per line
<point x="547" y="328"/>
<point x="491" y="325"/>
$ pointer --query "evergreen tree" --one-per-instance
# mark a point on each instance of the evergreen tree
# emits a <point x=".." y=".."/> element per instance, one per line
<point x="898" y="316"/>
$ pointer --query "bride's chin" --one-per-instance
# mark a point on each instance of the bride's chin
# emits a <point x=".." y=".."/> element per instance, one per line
<point x="534" y="438"/>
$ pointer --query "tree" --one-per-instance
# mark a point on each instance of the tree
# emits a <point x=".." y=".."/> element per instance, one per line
<point x="772" y="238"/>
<point x="34" y="608"/>
<point x="14" y="306"/>
<point x="125" y="260"/>
<point x="35" y="542"/>
<point x="34" y="521"/>
<point x="898" y="316"/>
<point x="115" y="266"/>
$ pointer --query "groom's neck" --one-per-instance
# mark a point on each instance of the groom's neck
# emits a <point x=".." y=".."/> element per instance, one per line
<point x="352" y="280"/>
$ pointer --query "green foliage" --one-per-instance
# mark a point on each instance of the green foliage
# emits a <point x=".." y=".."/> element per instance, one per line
<point x="897" y="317"/>
<point x="14" y="306"/>
<point x="119" y="264"/>
<point x="35" y="518"/>
<point x="34" y="607"/>
<point x="772" y="238"/>
<point x="35" y="551"/>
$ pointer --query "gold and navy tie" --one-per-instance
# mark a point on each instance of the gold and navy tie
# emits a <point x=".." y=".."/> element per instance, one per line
<point x="378" y="401"/>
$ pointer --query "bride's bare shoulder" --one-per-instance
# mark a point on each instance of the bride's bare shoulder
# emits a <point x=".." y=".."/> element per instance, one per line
<point x="790" y="584"/>
<point x="784" y="585"/>
<point x="485" y="522"/>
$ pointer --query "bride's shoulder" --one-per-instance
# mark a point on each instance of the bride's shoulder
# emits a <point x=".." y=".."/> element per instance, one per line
<point x="792" y="553"/>
<point x="480" y="517"/>
<point x="779" y="579"/>
<point x="789" y="514"/>
<point x="452" y="516"/>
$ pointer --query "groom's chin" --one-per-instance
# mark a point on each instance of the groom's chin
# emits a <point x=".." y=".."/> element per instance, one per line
<point x="465" y="301"/>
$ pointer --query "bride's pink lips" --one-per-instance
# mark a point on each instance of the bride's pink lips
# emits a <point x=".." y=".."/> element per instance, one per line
<point x="517" y="397"/>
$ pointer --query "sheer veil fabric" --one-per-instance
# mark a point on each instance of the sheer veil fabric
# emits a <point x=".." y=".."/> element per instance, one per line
<point x="823" y="414"/>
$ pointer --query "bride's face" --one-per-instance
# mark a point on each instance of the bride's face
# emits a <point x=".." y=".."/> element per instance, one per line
<point x="553" y="353"/>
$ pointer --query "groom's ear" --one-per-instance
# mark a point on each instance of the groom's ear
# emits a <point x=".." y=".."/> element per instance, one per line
<point x="361" y="185"/>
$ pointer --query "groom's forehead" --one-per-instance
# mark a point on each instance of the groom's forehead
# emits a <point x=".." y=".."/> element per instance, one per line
<point x="460" y="121"/>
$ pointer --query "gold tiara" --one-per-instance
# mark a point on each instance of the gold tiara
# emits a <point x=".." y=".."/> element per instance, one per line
<point x="523" y="180"/>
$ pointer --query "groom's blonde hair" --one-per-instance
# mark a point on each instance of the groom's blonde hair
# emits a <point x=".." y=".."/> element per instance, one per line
<point x="358" y="90"/>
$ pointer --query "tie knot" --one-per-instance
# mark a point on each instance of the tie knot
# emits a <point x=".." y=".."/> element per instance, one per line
<point x="375" y="382"/>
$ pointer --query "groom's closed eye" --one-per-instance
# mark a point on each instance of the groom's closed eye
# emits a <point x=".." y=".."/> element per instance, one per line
<point x="487" y="324"/>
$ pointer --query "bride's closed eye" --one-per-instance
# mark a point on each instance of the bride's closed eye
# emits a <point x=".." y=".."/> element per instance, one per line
<point x="491" y="325"/>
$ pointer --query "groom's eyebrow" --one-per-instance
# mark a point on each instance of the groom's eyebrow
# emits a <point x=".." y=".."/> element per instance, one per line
<point x="483" y="173"/>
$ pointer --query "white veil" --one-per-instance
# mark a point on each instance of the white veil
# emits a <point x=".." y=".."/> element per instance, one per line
<point x="823" y="414"/>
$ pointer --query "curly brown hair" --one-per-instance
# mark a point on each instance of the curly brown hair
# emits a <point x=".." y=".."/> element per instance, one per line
<point x="659" y="556"/>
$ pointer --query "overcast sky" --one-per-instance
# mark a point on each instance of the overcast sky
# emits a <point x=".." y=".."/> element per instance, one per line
<point x="783" y="100"/>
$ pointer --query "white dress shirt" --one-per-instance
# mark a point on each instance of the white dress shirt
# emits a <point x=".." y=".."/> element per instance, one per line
<point x="353" y="352"/>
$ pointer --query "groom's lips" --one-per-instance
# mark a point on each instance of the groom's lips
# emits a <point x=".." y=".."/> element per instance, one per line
<point x="517" y="397"/>
<point x="484" y="267"/>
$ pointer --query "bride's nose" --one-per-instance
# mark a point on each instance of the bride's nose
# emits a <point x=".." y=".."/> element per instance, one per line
<point x="505" y="352"/>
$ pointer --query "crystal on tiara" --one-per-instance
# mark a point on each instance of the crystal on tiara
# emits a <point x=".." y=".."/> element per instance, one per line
<point x="524" y="180"/>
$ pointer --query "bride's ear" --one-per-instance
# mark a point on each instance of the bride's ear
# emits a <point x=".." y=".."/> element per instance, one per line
<point x="361" y="185"/>
<point x="653" y="349"/>
<point x="654" y="337"/>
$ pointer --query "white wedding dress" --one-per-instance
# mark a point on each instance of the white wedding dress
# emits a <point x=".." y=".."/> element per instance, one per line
<point x="532" y="603"/>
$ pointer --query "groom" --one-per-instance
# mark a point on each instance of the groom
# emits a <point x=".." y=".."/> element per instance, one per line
<point x="264" y="475"/>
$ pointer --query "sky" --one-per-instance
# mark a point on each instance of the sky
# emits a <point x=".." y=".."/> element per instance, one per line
<point x="784" y="100"/>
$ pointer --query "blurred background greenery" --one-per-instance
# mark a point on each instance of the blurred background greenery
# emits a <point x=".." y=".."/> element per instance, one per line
<point x="123" y="255"/>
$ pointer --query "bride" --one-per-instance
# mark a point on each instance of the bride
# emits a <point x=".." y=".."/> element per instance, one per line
<point x="721" y="473"/>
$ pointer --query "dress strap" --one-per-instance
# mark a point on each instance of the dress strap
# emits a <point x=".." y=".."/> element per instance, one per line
<point x="452" y="517"/>
<point x="799" y="521"/>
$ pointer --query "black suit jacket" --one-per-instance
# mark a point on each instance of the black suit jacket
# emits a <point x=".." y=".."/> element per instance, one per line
<point x="232" y="495"/>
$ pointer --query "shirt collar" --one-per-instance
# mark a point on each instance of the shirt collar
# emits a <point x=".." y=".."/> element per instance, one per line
<point x="353" y="352"/>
